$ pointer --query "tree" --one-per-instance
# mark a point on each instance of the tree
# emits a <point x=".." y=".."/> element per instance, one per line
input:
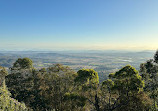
<point x="74" y="101"/>
<point x="127" y="79"/>
<point x="6" y="102"/>
<point x="87" y="77"/>
<point x="56" y="83"/>
<point x="149" y="72"/>
<point x="23" y="63"/>
<point x="123" y="86"/>
<point x="60" y="88"/>
<point x="3" y="73"/>
<point x="20" y="82"/>
<point x="42" y="89"/>
<point x="106" y="94"/>
<point x="87" y="82"/>
<point x="156" y="57"/>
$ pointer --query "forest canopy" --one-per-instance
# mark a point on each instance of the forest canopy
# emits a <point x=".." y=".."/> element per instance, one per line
<point x="59" y="88"/>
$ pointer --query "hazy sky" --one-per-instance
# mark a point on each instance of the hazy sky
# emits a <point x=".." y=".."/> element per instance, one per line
<point x="78" y="24"/>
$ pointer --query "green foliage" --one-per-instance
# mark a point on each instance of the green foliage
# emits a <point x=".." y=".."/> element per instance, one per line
<point x="42" y="89"/>
<point x="6" y="102"/>
<point x="128" y="79"/>
<point x="61" y="89"/>
<point x="23" y="63"/>
<point x="9" y="104"/>
<point x="76" y="99"/>
<point x="108" y="83"/>
<point x="156" y="57"/>
<point x="138" y="102"/>
<point x="57" y="82"/>
<point x="86" y="76"/>
<point x="121" y="89"/>
<point x="3" y="72"/>
<point x="149" y="72"/>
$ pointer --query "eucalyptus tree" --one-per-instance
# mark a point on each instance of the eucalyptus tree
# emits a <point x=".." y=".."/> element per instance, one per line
<point x="149" y="72"/>
<point x="122" y="89"/>
<point x="19" y="81"/>
<point x="87" y="82"/>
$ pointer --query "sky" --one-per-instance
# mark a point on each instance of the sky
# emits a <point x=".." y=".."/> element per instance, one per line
<point x="78" y="24"/>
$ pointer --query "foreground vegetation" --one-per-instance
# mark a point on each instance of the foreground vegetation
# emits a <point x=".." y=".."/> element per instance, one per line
<point x="60" y="88"/>
<point x="6" y="102"/>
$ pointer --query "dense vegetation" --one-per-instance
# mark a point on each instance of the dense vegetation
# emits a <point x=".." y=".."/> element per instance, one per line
<point x="60" y="88"/>
<point x="6" y="102"/>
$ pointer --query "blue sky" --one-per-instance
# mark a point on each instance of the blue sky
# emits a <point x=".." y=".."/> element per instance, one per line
<point x="78" y="24"/>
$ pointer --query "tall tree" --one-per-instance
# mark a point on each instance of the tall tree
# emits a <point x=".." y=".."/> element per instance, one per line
<point x="87" y="82"/>
<point x="149" y="72"/>
<point x="20" y="82"/>
<point x="23" y="63"/>
<point x="125" y="85"/>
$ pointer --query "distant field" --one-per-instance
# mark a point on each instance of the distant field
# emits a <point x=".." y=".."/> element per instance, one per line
<point x="104" y="62"/>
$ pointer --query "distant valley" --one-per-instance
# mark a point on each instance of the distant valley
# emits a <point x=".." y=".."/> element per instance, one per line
<point x="104" y="62"/>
